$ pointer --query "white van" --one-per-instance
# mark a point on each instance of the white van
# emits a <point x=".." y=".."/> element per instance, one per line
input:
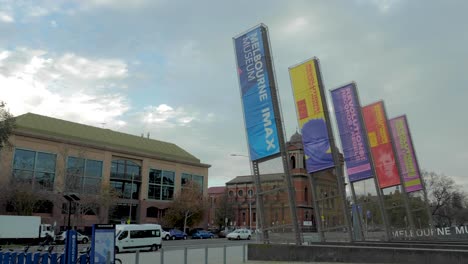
<point x="137" y="237"/>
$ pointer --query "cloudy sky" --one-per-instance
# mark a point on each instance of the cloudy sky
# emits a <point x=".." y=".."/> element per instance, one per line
<point x="168" y="67"/>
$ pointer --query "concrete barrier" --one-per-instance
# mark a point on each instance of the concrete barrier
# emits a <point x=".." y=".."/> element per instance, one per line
<point x="355" y="254"/>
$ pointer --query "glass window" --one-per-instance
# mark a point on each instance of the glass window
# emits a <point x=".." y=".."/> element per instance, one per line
<point x="36" y="168"/>
<point x="168" y="193"/>
<point x="240" y="193"/>
<point x="93" y="168"/>
<point x="45" y="162"/>
<point x="125" y="169"/>
<point x="123" y="235"/>
<point x="83" y="175"/>
<point x="168" y="177"/>
<point x="185" y="178"/>
<point x="161" y="184"/>
<point x="24" y="159"/>
<point x="250" y="192"/>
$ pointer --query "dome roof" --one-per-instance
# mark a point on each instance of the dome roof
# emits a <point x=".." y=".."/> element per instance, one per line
<point x="296" y="138"/>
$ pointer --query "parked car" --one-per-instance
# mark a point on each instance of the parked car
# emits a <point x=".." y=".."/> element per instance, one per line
<point x="166" y="235"/>
<point x="201" y="234"/>
<point x="176" y="234"/>
<point x="239" y="234"/>
<point x="60" y="238"/>
<point x="223" y="233"/>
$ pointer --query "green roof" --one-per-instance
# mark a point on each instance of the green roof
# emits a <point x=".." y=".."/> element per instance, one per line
<point x="101" y="137"/>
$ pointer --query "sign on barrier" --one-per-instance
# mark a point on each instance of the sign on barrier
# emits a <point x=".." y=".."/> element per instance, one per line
<point x="102" y="244"/>
<point x="71" y="250"/>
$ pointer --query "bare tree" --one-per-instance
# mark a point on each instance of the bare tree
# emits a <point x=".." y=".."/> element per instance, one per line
<point x="446" y="199"/>
<point x="7" y="124"/>
<point x="20" y="198"/>
<point x="187" y="208"/>
<point x="224" y="209"/>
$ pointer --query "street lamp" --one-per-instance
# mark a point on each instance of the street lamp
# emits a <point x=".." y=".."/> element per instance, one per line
<point x="130" y="207"/>
<point x="250" y="203"/>
<point x="70" y="198"/>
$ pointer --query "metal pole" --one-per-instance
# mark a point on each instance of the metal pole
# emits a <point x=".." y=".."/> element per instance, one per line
<point x="353" y="192"/>
<point x="334" y="150"/>
<point x="250" y="215"/>
<point x="185" y="255"/>
<point x="206" y="254"/>
<point x="130" y="207"/>
<point x="69" y="214"/>
<point x="137" y="257"/>
<point x="224" y="254"/>
<point x="161" y="256"/>
<point x="317" y="212"/>
<point x="377" y="188"/>
<point x="402" y="183"/>
<point x="423" y="184"/>
<point x="243" y="253"/>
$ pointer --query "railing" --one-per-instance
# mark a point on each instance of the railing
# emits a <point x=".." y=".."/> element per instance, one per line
<point x="212" y="254"/>
<point x="11" y="257"/>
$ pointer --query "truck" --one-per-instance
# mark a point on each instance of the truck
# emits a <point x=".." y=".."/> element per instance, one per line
<point x="18" y="229"/>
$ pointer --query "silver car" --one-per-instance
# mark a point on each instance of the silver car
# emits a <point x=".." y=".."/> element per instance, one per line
<point x="60" y="238"/>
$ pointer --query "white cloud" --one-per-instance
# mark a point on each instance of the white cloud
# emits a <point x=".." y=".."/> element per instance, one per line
<point x="53" y="23"/>
<point x="91" y="69"/>
<point x="7" y="18"/>
<point x="296" y="25"/>
<point x="166" y="116"/>
<point x="37" y="82"/>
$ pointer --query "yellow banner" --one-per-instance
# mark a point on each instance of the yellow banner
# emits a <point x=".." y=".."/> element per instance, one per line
<point x="306" y="92"/>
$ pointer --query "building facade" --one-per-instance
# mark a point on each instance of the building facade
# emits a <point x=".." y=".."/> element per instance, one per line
<point x="117" y="176"/>
<point x="241" y="192"/>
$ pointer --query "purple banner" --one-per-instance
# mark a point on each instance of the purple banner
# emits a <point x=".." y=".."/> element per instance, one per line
<point x="405" y="153"/>
<point x="352" y="133"/>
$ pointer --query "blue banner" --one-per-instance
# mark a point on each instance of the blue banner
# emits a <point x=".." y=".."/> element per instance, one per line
<point x="352" y="133"/>
<point x="71" y="250"/>
<point x="255" y="85"/>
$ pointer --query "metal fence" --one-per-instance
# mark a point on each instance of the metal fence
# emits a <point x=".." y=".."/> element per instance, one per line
<point x="222" y="254"/>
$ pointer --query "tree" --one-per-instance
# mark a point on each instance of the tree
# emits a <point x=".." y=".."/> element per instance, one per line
<point x="187" y="208"/>
<point x="224" y="209"/>
<point x="7" y="124"/>
<point x="447" y="201"/>
<point x="20" y="198"/>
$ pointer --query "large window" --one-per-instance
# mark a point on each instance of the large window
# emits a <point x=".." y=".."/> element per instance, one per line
<point x="186" y="178"/>
<point x="125" y="170"/>
<point x="37" y="168"/>
<point x="161" y="185"/>
<point x="83" y="175"/>
<point x="126" y="178"/>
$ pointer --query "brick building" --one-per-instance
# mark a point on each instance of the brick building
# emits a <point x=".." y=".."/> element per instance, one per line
<point x="55" y="157"/>
<point x="241" y="191"/>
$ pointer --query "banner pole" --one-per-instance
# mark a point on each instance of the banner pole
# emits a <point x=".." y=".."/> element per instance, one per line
<point x="317" y="211"/>
<point x="361" y="230"/>
<point x="406" y="200"/>
<point x="423" y="183"/>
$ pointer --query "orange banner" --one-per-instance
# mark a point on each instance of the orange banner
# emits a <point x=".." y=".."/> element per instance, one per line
<point x="381" y="147"/>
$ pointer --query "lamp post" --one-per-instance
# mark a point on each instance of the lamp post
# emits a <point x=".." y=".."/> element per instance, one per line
<point x="71" y="197"/>
<point x="250" y="203"/>
<point x="131" y="198"/>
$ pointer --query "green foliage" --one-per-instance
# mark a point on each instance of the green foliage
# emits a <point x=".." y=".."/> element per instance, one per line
<point x="7" y="124"/>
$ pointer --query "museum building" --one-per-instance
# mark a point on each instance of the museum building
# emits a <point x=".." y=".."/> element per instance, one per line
<point x="116" y="176"/>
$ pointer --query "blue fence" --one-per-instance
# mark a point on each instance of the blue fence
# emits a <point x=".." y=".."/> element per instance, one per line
<point x="38" y="258"/>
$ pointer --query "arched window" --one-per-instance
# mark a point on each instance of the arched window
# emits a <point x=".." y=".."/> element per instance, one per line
<point x="293" y="162"/>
